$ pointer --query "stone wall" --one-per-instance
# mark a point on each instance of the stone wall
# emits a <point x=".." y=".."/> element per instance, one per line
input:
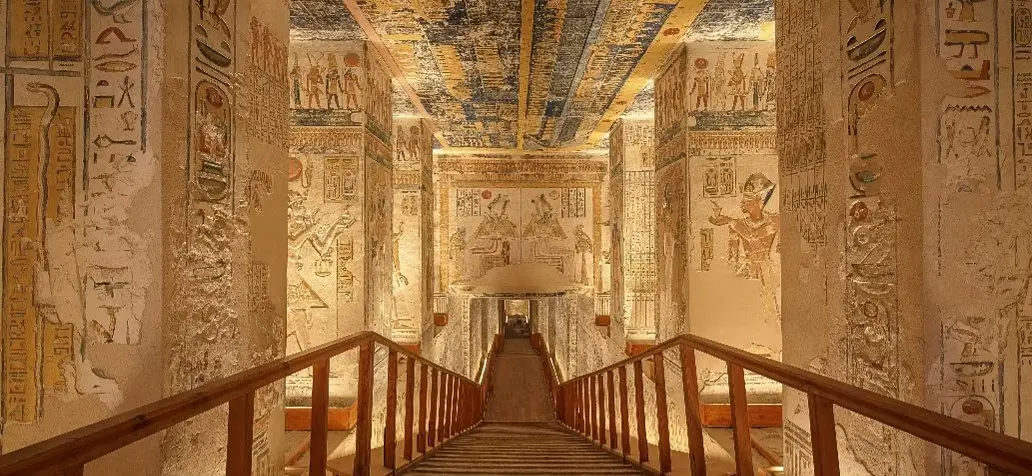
<point x="413" y="228"/>
<point x="82" y="300"/>
<point x="914" y="273"/>
<point x="717" y="201"/>
<point x="122" y="284"/>
<point x="633" y="225"/>
<point x="341" y="269"/>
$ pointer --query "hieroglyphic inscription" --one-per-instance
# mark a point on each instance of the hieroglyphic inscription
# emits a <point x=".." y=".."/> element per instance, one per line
<point x="313" y="140"/>
<point x="1021" y="16"/>
<point x="719" y="177"/>
<point x="801" y="146"/>
<point x="47" y="30"/>
<point x="345" y="278"/>
<point x="39" y="190"/>
<point x="340" y="175"/>
<point x="574" y="203"/>
<point x="267" y="86"/>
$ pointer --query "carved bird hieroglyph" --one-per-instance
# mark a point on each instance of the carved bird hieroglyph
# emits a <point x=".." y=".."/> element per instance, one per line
<point x="116" y="9"/>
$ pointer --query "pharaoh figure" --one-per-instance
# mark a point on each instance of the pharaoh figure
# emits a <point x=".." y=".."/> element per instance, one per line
<point x="457" y="245"/>
<point x="401" y="143"/>
<point x="701" y="85"/>
<point x="753" y="237"/>
<point x="738" y="86"/>
<point x="543" y="224"/>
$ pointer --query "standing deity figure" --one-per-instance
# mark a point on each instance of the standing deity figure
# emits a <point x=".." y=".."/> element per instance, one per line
<point x="757" y="83"/>
<point x="315" y="85"/>
<point x="351" y="90"/>
<point x="333" y="87"/>
<point x="701" y="85"/>
<point x="738" y="86"/>
<point x="719" y="75"/>
<point x="753" y="237"/>
<point x="770" y="103"/>
<point x="295" y="79"/>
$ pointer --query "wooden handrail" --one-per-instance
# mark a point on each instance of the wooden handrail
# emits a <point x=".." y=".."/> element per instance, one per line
<point x="1000" y="452"/>
<point x="68" y="453"/>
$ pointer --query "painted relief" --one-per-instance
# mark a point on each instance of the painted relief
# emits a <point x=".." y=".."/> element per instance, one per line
<point x="753" y="238"/>
<point x="529" y="225"/>
<point x="968" y="121"/>
<point x="74" y="277"/>
<point x="672" y="248"/>
<point x="268" y="85"/>
<point x="671" y="103"/>
<point x="801" y="149"/>
<point x="579" y="66"/>
<point x="634" y="230"/>
<point x="499" y="211"/>
<point x="731" y="77"/>
<point x="327" y="84"/>
<point x="413" y="228"/>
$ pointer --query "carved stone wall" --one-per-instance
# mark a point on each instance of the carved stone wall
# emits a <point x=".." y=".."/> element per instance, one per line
<point x="633" y="225"/>
<point x="120" y="282"/>
<point x="413" y="228"/>
<point x="341" y="273"/>
<point x="909" y="270"/>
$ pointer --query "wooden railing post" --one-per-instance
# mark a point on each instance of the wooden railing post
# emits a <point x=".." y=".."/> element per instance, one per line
<point x="601" y="409"/>
<point x="639" y="402"/>
<point x="662" y="418"/>
<point x="435" y="406"/>
<point x="822" y="436"/>
<point x="364" y="426"/>
<point x="740" y="419"/>
<point x="410" y="387"/>
<point x="390" y="422"/>
<point x="593" y="406"/>
<point x="612" y="410"/>
<point x="444" y="416"/>
<point x="585" y="421"/>
<point x="320" y="417"/>
<point x="625" y="415"/>
<point x="690" y="383"/>
<point x="241" y="435"/>
<point x="423" y="396"/>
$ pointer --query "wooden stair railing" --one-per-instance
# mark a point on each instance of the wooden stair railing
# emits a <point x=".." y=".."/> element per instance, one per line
<point x="583" y="403"/>
<point x="455" y="403"/>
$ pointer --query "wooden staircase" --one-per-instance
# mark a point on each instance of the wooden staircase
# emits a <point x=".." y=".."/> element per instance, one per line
<point x="521" y="448"/>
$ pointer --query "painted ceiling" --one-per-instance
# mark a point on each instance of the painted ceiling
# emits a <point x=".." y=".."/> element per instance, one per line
<point x="526" y="75"/>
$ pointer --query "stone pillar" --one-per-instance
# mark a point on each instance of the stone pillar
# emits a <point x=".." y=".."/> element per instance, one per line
<point x="413" y="228"/>
<point x="130" y="278"/>
<point x="225" y="203"/>
<point x="340" y="273"/>
<point x="906" y="213"/>
<point x="633" y="224"/>
<point x="715" y="114"/>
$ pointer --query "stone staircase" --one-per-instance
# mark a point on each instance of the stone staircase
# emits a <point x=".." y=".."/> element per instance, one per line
<point x="521" y="448"/>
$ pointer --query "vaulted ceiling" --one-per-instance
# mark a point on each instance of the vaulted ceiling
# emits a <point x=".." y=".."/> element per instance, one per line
<point x="525" y="75"/>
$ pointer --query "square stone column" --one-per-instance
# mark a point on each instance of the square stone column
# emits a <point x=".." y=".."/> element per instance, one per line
<point x="340" y="218"/>
<point x="145" y="205"/>
<point x="413" y="228"/>
<point x="633" y="225"/>
<point x="906" y="192"/>
<point x="717" y="203"/>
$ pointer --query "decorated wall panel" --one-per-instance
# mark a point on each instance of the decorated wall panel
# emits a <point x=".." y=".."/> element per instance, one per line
<point x="341" y="273"/>
<point x="632" y="195"/>
<point x="413" y="228"/>
<point x="78" y="266"/>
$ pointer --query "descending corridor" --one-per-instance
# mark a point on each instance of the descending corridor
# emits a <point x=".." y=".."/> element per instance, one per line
<point x="520" y="434"/>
